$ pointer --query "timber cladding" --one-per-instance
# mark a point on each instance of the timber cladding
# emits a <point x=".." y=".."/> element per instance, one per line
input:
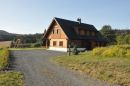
<point x="56" y="32"/>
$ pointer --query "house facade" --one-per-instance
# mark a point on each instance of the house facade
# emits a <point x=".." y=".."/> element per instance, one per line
<point x="62" y="34"/>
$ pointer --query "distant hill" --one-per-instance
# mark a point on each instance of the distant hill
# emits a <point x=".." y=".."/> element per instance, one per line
<point x="2" y="32"/>
<point x="6" y="36"/>
<point x="28" y="38"/>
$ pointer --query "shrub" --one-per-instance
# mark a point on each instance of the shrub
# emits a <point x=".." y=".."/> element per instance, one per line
<point x="75" y="51"/>
<point x="111" y="51"/>
<point x="128" y="53"/>
<point x="98" y="50"/>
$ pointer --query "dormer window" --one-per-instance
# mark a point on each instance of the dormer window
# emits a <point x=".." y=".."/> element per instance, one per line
<point x="87" y="33"/>
<point x="82" y="32"/>
<point x="93" y="33"/>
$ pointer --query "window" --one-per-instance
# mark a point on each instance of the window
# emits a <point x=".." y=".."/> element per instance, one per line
<point x="54" y="43"/>
<point x="58" y="31"/>
<point x="90" y="33"/>
<point x="61" y="43"/>
<point x="53" y="31"/>
<point x="87" y="33"/>
<point x="93" y="33"/>
<point x="81" y="31"/>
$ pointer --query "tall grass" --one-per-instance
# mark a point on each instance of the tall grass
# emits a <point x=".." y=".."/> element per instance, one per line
<point x="4" y="57"/>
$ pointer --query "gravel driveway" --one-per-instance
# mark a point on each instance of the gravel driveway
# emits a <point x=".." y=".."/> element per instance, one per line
<point x="40" y="71"/>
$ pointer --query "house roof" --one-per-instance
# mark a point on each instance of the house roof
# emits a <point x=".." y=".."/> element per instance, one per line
<point x="69" y="26"/>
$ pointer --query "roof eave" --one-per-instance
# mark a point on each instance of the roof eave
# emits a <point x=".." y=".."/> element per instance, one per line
<point x="44" y="36"/>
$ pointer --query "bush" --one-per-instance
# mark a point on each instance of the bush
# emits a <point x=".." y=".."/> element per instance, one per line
<point x="111" y="51"/>
<point x="128" y="53"/>
<point x="98" y="50"/>
<point x="75" y="51"/>
<point x="4" y="57"/>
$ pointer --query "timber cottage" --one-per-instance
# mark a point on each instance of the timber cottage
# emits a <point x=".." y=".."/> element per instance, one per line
<point x="63" y="33"/>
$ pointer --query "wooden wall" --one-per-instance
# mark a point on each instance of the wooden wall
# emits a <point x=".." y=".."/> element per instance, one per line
<point x="53" y="33"/>
<point x="57" y="42"/>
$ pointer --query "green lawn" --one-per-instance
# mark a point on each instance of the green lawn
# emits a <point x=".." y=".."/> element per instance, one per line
<point x="115" y="70"/>
<point x="8" y="78"/>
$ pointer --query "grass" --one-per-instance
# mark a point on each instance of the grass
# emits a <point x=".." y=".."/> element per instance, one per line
<point x="8" y="78"/>
<point x="11" y="78"/>
<point x="4" y="57"/>
<point x="115" y="70"/>
<point x="27" y="48"/>
<point x="4" y="44"/>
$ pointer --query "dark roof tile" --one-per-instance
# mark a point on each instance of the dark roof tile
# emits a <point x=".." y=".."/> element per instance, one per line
<point x="68" y="27"/>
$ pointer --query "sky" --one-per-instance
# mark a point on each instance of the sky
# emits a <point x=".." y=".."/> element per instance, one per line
<point x="33" y="16"/>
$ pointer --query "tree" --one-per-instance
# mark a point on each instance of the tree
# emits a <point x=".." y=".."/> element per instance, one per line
<point x="108" y="33"/>
<point x="106" y="29"/>
<point x="123" y="39"/>
<point x="119" y="39"/>
<point x="127" y="39"/>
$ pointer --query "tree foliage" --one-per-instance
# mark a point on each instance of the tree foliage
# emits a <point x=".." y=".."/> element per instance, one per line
<point x="115" y="36"/>
<point x="108" y="33"/>
<point x="123" y="39"/>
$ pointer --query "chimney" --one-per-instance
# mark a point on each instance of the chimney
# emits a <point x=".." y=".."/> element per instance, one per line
<point x="79" y="20"/>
